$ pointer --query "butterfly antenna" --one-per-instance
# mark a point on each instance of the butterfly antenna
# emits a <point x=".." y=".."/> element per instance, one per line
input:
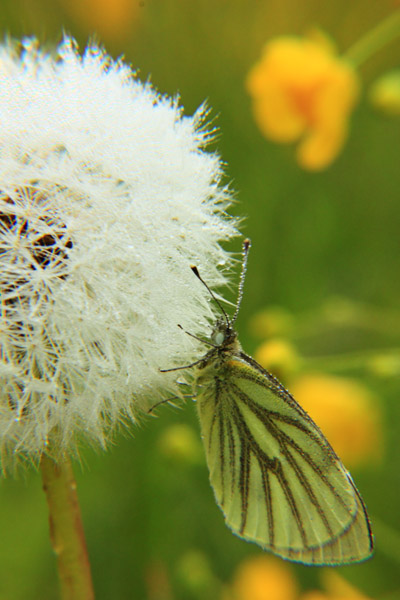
<point x="246" y="248"/>
<point x="213" y="296"/>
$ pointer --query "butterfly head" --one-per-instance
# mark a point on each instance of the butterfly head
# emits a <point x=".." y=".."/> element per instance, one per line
<point x="223" y="333"/>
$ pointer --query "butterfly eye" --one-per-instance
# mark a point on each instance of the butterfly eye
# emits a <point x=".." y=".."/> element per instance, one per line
<point x="219" y="338"/>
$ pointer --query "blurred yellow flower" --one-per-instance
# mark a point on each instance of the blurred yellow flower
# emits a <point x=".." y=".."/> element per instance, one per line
<point x="279" y="356"/>
<point x="181" y="444"/>
<point x="385" y="364"/>
<point x="195" y="574"/>
<point x="302" y="90"/>
<point x="337" y="588"/>
<point x="272" y="321"/>
<point x="315" y="595"/>
<point x="263" y="578"/>
<point x="110" y="19"/>
<point x="346" y="413"/>
<point x="385" y="93"/>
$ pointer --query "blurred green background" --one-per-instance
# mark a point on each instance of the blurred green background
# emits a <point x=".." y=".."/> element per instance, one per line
<point x="153" y="529"/>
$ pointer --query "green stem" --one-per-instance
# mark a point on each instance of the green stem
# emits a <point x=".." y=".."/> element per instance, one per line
<point x="66" y="530"/>
<point x="384" y="33"/>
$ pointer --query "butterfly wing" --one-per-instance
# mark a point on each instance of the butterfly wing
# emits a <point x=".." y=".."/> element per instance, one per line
<point x="276" y="478"/>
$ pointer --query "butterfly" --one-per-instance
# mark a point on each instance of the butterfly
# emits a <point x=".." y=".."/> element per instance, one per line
<point x="276" y="478"/>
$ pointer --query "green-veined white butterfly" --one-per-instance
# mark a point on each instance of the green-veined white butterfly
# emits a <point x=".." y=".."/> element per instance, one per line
<point x="276" y="478"/>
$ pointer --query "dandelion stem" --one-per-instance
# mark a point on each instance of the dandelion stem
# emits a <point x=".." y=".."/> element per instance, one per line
<point x="373" y="41"/>
<point x="66" y="530"/>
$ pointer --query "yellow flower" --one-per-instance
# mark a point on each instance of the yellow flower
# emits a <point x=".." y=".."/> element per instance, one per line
<point x="315" y="595"/>
<point x="195" y="575"/>
<point x="385" y="93"/>
<point x="385" y="364"/>
<point x="302" y="90"/>
<point x="279" y="356"/>
<point x="336" y="588"/>
<point x="272" y="321"/>
<point x="346" y="413"/>
<point x="181" y="444"/>
<point x="266" y="578"/>
<point x="263" y="578"/>
<point x="110" y="19"/>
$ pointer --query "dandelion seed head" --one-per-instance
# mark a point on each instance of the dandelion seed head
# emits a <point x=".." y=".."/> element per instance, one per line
<point x="107" y="196"/>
